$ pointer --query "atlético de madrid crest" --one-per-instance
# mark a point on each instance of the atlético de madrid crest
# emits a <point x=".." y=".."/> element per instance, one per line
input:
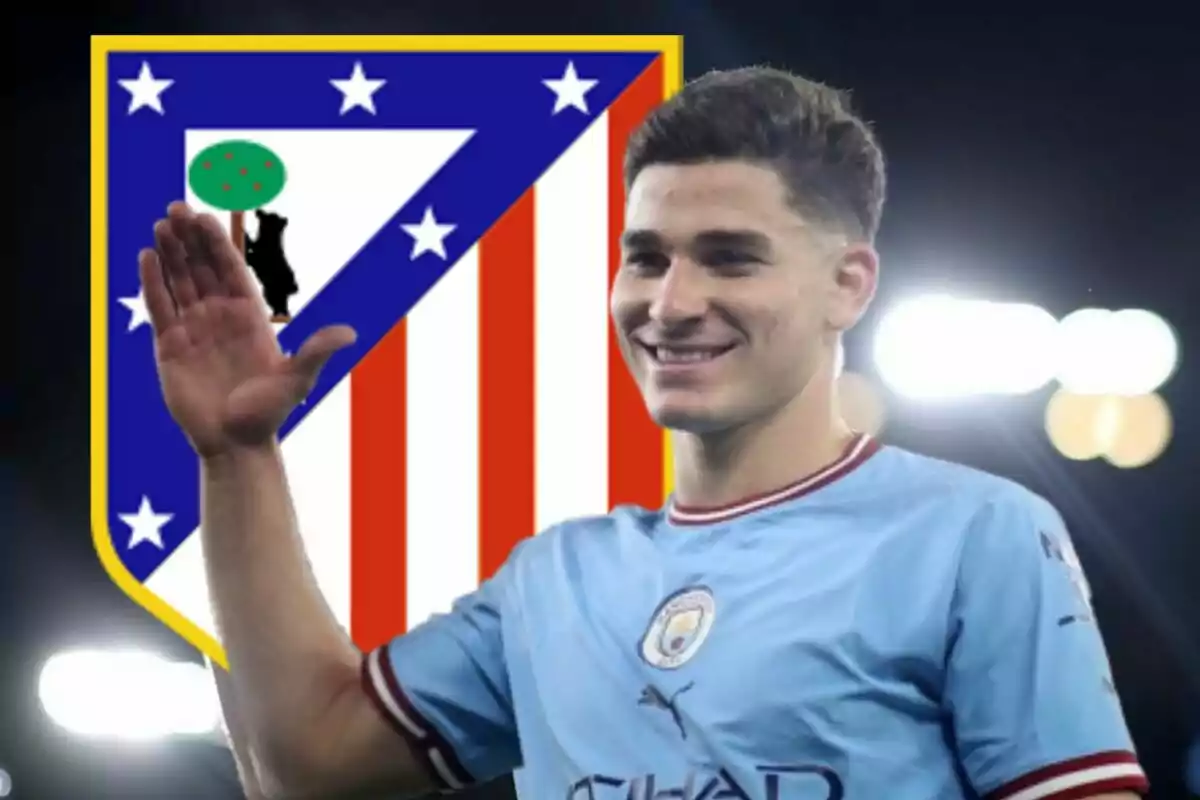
<point x="425" y="190"/>
<point x="678" y="628"/>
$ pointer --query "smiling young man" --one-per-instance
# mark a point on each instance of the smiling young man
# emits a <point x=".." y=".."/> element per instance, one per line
<point x="811" y="615"/>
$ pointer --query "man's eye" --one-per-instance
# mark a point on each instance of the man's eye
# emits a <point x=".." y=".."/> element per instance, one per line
<point x="731" y="263"/>
<point x="646" y="261"/>
<point x="725" y="258"/>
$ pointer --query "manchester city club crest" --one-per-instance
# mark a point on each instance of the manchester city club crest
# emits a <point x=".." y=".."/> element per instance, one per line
<point x="679" y="627"/>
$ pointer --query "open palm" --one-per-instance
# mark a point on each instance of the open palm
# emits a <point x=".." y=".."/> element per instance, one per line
<point x="223" y="376"/>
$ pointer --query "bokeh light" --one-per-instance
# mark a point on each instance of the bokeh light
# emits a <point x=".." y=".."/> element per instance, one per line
<point x="127" y="695"/>
<point x="1140" y="433"/>
<point x="1109" y="366"/>
<point x="941" y="347"/>
<point x="861" y="403"/>
<point x="1074" y="424"/>
<point x="1127" y="352"/>
<point x="1126" y="431"/>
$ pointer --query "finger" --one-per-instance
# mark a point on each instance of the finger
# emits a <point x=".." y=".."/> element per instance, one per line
<point x="199" y="260"/>
<point x="318" y="349"/>
<point x="159" y="304"/>
<point x="204" y="277"/>
<point x="227" y="262"/>
<point x="174" y="260"/>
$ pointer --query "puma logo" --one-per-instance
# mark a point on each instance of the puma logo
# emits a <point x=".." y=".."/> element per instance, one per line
<point x="652" y="696"/>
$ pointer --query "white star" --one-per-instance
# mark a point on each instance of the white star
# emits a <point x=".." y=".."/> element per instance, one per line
<point x="145" y="90"/>
<point x="357" y="90"/>
<point x="570" y="90"/>
<point x="429" y="236"/>
<point x="138" y="314"/>
<point x="146" y="525"/>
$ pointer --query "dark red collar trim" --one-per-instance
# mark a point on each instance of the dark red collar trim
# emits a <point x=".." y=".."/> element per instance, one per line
<point x="858" y="451"/>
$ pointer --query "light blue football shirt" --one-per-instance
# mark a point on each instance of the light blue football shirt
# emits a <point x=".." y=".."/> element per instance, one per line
<point x="892" y="627"/>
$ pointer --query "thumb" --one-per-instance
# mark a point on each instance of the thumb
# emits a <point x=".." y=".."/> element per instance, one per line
<point x="318" y="349"/>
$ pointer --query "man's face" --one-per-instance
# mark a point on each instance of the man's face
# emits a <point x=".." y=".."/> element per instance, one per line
<point x="727" y="302"/>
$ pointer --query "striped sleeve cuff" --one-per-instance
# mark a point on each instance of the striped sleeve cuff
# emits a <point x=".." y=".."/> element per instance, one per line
<point x="441" y="763"/>
<point x="1077" y="779"/>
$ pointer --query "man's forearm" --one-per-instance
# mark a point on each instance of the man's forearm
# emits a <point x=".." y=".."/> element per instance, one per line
<point x="289" y="660"/>
<point x="235" y="736"/>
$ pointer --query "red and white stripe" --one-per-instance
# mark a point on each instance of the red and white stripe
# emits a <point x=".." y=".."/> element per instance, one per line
<point x="1078" y="779"/>
<point x="498" y="407"/>
<point x="441" y="764"/>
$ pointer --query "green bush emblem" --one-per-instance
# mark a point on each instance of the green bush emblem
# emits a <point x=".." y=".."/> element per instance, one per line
<point x="236" y="175"/>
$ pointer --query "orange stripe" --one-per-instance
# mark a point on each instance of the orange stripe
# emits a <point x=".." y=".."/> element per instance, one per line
<point x="635" y="445"/>
<point x="378" y="493"/>
<point x="506" y="385"/>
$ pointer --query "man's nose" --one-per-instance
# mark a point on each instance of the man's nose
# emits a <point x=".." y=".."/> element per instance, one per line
<point x="680" y="295"/>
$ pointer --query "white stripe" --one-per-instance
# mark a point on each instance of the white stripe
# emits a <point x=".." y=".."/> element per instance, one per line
<point x="443" y="442"/>
<point x="571" y="331"/>
<point x="1077" y="779"/>
<point x="317" y="458"/>
<point x="774" y="497"/>
<point x="180" y="582"/>
<point x="383" y="690"/>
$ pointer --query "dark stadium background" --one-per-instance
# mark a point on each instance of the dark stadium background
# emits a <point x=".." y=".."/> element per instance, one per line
<point x="1047" y="157"/>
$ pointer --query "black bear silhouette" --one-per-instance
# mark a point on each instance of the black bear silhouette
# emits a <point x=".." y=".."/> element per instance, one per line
<point x="266" y="259"/>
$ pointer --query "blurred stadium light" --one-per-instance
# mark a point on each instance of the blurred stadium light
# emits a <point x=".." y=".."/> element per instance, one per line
<point x="1128" y="352"/>
<point x="128" y="695"/>
<point x="1108" y="364"/>
<point x="941" y="347"/>
<point x="1127" y="431"/>
<point x="861" y="403"/>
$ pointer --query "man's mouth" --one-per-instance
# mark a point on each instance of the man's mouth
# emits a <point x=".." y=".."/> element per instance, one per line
<point x="685" y="354"/>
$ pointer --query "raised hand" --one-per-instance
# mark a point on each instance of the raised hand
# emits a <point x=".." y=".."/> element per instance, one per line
<point x="223" y="376"/>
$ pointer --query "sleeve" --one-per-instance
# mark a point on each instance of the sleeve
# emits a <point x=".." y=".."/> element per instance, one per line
<point x="444" y="687"/>
<point x="1028" y="688"/>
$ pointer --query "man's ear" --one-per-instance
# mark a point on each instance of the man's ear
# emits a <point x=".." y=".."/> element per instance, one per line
<point x="856" y="276"/>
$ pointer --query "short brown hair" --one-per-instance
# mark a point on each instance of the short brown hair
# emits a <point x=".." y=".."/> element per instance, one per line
<point x="804" y="130"/>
